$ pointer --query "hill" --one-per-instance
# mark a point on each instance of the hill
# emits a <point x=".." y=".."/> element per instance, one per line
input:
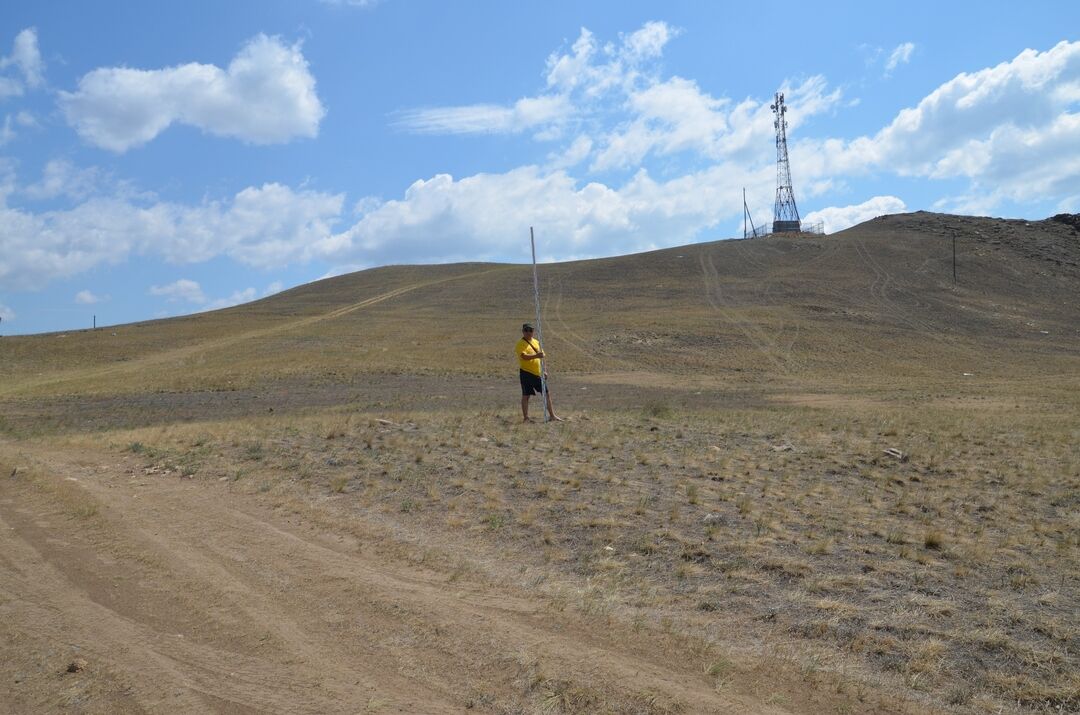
<point x="869" y="304"/>
<point x="800" y="474"/>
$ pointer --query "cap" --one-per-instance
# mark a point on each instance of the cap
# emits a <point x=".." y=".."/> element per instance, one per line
<point x="526" y="326"/>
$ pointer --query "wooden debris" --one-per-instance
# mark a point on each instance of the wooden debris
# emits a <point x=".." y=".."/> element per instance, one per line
<point x="896" y="454"/>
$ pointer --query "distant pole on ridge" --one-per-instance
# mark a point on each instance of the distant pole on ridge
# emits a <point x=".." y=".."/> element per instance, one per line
<point x="539" y="330"/>
<point x="785" y="212"/>
<point x="954" y="256"/>
<point x="746" y="215"/>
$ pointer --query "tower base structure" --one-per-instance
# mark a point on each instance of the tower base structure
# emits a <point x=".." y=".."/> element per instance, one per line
<point x="786" y="227"/>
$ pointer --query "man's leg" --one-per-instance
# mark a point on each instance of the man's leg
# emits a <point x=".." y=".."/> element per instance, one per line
<point x="524" y="408"/>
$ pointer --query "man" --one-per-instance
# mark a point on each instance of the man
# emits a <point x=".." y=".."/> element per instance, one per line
<point x="529" y="355"/>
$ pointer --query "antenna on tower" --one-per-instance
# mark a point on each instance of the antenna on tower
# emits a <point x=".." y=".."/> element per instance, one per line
<point x="785" y="212"/>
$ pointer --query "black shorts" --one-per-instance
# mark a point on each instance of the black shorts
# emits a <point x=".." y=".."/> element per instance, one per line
<point x="530" y="384"/>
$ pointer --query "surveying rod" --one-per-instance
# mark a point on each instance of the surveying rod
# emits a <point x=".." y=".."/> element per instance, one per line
<point x="539" y="331"/>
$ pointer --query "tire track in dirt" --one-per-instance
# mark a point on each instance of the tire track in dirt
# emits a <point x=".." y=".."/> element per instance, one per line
<point x="763" y="288"/>
<point x="276" y="616"/>
<point x="172" y="635"/>
<point x="927" y="328"/>
<point x="781" y="360"/>
<point x="574" y="340"/>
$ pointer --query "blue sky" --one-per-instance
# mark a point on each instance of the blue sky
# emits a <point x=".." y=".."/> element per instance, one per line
<point x="162" y="158"/>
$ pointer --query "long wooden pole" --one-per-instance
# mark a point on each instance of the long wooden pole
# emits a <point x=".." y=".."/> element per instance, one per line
<point x="539" y="331"/>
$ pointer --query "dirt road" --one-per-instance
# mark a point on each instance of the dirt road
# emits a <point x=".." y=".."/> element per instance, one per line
<point x="127" y="592"/>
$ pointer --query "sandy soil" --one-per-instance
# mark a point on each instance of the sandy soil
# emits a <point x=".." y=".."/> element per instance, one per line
<point x="122" y="592"/>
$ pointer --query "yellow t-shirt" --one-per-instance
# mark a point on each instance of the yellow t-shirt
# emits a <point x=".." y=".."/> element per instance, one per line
<point x="530" y="346"/>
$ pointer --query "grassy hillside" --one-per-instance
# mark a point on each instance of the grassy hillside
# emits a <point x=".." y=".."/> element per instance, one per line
<point x="870" y="304"/>
<point x="801" y="474"/>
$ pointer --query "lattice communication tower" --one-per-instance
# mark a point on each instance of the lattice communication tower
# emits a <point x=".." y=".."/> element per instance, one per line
<point x="785" y="212"/>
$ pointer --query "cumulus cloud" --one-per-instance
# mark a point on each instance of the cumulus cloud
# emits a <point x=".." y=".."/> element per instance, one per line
<point x="241" y="296"/>
<point x="26" y="58"/>
<point x="62" y="178"/>
<point x="837" y="218"/>
<point x="574" y="80"/>
<point x="270" y="225"/>
<point x="477" y="217"/>
<point x="184" y="290"/>
<point x="266" y="95"/>
<point x="85" y="297"/>
<point x="21" y="119"/>
<point x="900" y="56"/>
<point x="1012" y="130"/>
<point x="676" y="116"/>
<point x="6" y="313"/>
<point x="623" y="111"/>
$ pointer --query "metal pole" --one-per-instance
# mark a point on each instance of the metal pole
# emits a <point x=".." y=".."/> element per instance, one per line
<point x="744" y="212"/>
<point x="539" y="331"/>
<point x="954" y="257"/>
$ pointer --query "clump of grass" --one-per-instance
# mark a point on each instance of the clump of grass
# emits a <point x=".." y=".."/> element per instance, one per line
<point x="85" y="510"/>
<point x="657" y="408"/>
<point x="692" y="494"/>
<point x="934" y="540"/>
<point x="338" y="483"/>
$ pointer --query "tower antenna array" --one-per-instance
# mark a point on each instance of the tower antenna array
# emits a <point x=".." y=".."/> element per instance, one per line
<point x="785" y="212"/>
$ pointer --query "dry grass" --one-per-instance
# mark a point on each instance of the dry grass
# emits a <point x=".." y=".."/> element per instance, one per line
<point x="726" y="475"/>
<point x="951" y="573"/>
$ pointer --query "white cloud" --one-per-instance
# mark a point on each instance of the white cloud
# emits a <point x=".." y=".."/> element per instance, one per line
<point x="263" y="226"/>
<point x="899" y="56"/>
<point x="624" y="112"/>
<point x="21" y="119"/>
<point x="188" y="291"/>
<point x="574" y="80"/>
<point x="61" y="178"/>
<point x="6" y="313"/>
<point x="26" y="57"/>
<point x="525" y="114"/>
<point x="837" y="218"/>
<point x="577" y="152"/>
<point x="649" y="41"/>
<point x="85" y="297"/>
<point x="275" y="287"/>
<point x="1008" y="132"/>
<point x="10" y="87"/>
<point x="183" y="289"/>
<point x="266" y="95"/>
<point x="484" y="217"/>
<point x="1013" y="130"/>
<point x="676" y="116"/>
<point x="241" y="296"/>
